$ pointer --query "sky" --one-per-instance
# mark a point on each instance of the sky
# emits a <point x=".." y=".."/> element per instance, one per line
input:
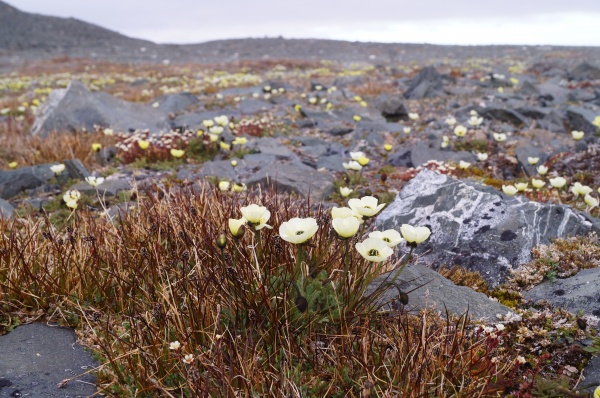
<point x="468" y="22"/>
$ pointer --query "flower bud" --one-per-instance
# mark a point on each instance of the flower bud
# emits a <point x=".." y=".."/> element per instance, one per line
<point x="222" y="241"/>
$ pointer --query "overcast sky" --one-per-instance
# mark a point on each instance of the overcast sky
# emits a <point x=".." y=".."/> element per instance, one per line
<point x="554" y="22"/>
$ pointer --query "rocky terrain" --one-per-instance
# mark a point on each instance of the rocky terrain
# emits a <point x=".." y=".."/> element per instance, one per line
<point x="468" y="141"/>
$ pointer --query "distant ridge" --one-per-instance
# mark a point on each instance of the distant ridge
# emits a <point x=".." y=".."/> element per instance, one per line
<point x="22" y="31"/>
<point x="26" y="37"/>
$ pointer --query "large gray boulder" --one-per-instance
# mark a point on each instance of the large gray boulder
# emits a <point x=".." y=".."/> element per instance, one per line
<point x="427" y="84"/>
<point x="428" y="289"/>
<point x="6" y="209"/>
<point x="76" y="108"/>
<point x="582" y="119"/>
<point x="479" y="227"/>
<point x="585" y="71"/>
<point x="37" y="357"/>
<point x="13" y="182"/>
<point x="579" y="292"/>
<point x="295" y="177"/>
<point x="174" y="103"/>
<point x="422" y="152"/>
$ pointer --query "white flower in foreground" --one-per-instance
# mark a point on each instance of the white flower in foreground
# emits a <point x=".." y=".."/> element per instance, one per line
<point x="390" y="236"/>
<point x="542" y="169"/>
<point x="414" y="235"/>
<point x="464" y="165"/>
<point x="235" y="226"/>
<point x="413" y="116"/>
<point x="590" y="200"/>
<point x="57" y="168"/>
<point x="374" y="249"/>
<point x="94" y="181"/>
<point x="224" y="185"/>
<point x="406" y="130"/>
<point x="475" y="121"/>
<point x="256" y="215"/>
<point x="175" y="345"/>
<point x="345" y="191"/>
<point x="577" y="135"/>
<point x="579" y="189"/>
<point x="509" y="189"/>
<point x="222" y="120"/>
<point x="499" y="137"/>
<point x="460" y="130"/>
<point x="298" y="230"/>
<point x="357" y="155"/>
<point x="482" y="157"/>
<point x="450" y="121"/>
<point x="216" y="130"/>
<point x="558" y="182"/>
<point x="71" y="197"/>
<point x="533" y="161"/>
<point x="208" y="123"/>
<point x="445" y="141"/>
<point x="353" y="165"/>
<point x="343" y="212"/>
<point x="365" y="206"/>
<point x="521" y="186"/>
<point x="188" y="359"/>
<point x="346" y="227"/>
<point x="537" y="183"/>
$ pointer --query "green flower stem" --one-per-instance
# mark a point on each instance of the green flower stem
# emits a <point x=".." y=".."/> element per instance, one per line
<point x="346" y="248"/>
<point x="299" y="258"/>
<point x="259" y="243"/>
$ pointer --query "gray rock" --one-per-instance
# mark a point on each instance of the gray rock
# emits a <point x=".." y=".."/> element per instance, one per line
<point x="36" y="357"/>
<point x="582" y="119"/>
<point x="331" y="162"/>
<point x="75" y="108"/>
<point x="528" y="89"/>
<point x="430" y="289"/>
<point x="579" y="292"/>
<point x="250" y="106"/>
<point x="422" y="152"/>
<point x="174" y="103"/>
<point x="107" y="188"/>
<point x="75" y="169"/>
<point x="504" y="115"/>
<point x="427" y="84"/>
<point x="296" y="178"/>
<point x="581" y="95"/>
<point x="6" y="209"/>
<point x="272" y="146"/>
<point x="585" y="71"/>
<point x="478" y="227"/>
<point x="522" y="153"/>
<point x="392" y="108"/>
<point x="553" y="121"/>
<point x="329" y="122"/>
<point x="534" y="112"/>
<point x="553" y="92"/>
<point x="13" y="182"/>
<point x="592" y="374"/>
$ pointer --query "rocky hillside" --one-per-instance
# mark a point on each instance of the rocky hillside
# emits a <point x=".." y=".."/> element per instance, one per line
<point x="25" y="37"/>
<point x="24" y="31"/>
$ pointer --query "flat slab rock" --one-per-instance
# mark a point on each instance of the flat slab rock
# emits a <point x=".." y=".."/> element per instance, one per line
<point x="579" y="292"/>
<point x="432" y="290"/>
<point x="37" y="357"/>
<point x="477" y="226"/>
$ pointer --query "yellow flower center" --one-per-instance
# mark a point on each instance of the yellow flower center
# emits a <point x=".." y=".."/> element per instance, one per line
<point x="374" y="252"/>
<point x="299" y="232"/>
